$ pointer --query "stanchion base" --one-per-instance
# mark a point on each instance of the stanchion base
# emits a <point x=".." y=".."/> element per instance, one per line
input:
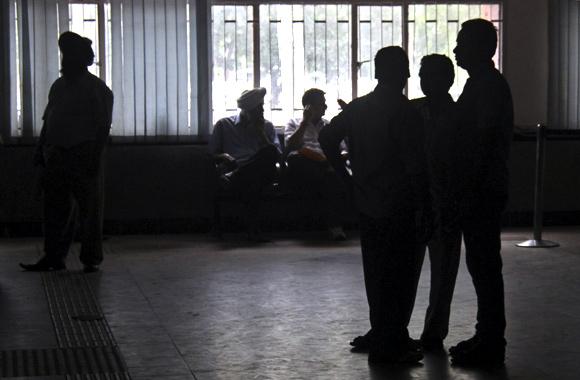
<point x="538" y="244"/>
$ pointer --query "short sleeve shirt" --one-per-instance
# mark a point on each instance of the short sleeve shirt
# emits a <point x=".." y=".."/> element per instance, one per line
<point x="239" y="140"/>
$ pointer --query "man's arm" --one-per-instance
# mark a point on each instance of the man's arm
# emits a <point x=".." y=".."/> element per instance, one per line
<point x="39" y="151"/>
<point x="272" y="136"/>
<point x="412" y="149"/>
<point x="296" y="139"/>
<point x="104" y="119"/>
<point x="330" y="139"/>
<point x="215" y="148"/>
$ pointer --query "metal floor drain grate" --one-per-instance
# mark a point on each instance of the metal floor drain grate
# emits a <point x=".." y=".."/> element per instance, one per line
<point x="76" y="363"/>
<point x="76" y="314"/>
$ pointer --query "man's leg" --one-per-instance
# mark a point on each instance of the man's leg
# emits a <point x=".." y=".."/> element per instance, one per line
<point x="372" y="250"/>
<point x="249" y="182"/>
<point x="483" y="244"/>
<point x="89" y="196"/>
<point x="318" y="178"/>
<point x="444" y="256"/>
<point x="58" y="213"/>
<point x="389" y="251"/>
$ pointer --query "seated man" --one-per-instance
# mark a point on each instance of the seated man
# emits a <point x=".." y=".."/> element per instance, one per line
<point x="308" y="169"/>
<point x="247" y="149"/>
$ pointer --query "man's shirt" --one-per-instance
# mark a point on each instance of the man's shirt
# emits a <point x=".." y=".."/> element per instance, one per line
<point x="385" y="143"/>
<point x="77" y="111"/>
<point x="440" y="130"/>
<point x="311" y="134"/>
<point x="486" y="128"/>
<point x="310" y="139"/>
<point x="240" y="140"/>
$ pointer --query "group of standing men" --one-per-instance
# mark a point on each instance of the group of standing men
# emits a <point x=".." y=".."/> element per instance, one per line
<point x="424" y="173"/>
<point x="415" y="165"/>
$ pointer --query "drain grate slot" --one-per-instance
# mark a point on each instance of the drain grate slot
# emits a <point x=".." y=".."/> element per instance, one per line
<point x="75" y="361"/>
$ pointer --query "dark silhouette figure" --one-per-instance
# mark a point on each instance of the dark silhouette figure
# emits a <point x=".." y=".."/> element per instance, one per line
<point x="440" y="124"/>
<point x="246" y="149"/>
<point x="389" y="177"/>
<point x="308" y="169"/>
<point x="70" y="151"/>
<point x="486" y="125"/>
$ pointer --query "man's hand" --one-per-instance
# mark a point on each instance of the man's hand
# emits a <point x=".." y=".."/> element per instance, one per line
<point x="312" y="154"/>
<point x="225" y="163"/>
<point x="307" y="114"/>
<point x="342" y="103"/>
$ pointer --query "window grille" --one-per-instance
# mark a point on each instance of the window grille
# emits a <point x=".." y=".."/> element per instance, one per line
<point x="288" y="47"/>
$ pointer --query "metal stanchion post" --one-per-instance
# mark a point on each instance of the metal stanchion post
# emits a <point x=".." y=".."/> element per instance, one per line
<point x="537" y="241"/>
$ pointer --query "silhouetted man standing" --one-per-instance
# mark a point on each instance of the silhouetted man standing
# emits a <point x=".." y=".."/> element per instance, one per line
<point x="70" y="150"/>
<point x="440" y="120"/>
<point x="384" y="137"/>
<point x="486" y="125"/>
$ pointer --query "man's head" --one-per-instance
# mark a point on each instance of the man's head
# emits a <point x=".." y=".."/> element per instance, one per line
<point x="77" y="53"/>
<point x="476" y="43"/>
<point x="316" y="102"/>
<point x="437" y="74"/>
<point x="392" y="67"/>
<point x="251" y="102"/>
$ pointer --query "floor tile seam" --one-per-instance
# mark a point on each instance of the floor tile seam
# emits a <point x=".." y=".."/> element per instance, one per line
<point x="113" y="251"/>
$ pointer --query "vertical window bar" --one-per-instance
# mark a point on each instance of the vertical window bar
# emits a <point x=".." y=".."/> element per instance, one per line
<point x="256" y="33"/>
<point x="101" y="33"/>
<point x="326" y="44"/>
<point x="337" y="51"/>
<point x="354" y="51"/>
<point x="236" y="66"/>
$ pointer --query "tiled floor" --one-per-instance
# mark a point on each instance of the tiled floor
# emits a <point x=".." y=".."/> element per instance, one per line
<point x="187" y="307"/>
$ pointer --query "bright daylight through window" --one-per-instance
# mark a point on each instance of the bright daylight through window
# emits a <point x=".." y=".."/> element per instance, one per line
<point x="288" y="48"/>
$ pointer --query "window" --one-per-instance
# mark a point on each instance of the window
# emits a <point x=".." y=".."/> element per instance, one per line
<point x="290" y="47"/>
<point x="150" y="53"/>
<point x="93" y="20"/>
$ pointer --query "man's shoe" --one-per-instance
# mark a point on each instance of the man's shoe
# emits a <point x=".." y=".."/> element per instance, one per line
<point x="90" y="269"/>
<point x="43" y="266"/>
<point x="360" y="344"/>
<point x="464" y="345"/>
<point x="389" y="357"/>
<point x="482" y="353"/>
<point x="363" y="343"/>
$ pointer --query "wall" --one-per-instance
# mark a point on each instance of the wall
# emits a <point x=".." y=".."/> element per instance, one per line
<point x="526" y="58"/>
<point x="172" y="182"/>
<point x="144" y="182"/>
<point x="160" y="184"/>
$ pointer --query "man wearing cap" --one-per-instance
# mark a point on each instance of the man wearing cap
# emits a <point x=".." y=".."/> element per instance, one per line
<point x="70" y="151"/>
<point x="247" y="149"/>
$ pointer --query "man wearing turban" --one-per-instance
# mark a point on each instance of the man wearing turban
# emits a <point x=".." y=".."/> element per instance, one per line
<point x="70" y="151"/>
<point x="246" y="147"/>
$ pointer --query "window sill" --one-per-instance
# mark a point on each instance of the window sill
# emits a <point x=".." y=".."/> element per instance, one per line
<point x="122" y="140"/>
